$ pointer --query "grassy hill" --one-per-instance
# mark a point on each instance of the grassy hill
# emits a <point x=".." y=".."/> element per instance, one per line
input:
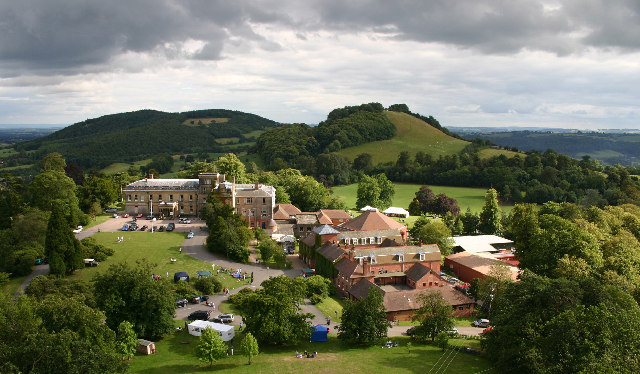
<point x="414" y="135"/>
<point x="133" y="136"/>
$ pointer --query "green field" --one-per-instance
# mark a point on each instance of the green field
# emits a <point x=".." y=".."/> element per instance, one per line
<point x="159" y="248"/>
<point x="175" y="354"/>
<point x="468" y="197"/>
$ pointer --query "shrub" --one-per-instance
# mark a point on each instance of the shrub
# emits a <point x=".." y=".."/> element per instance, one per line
<point x="185" y="290"/>
<point x="208" y="285"/>
<point x="315" y="299"/>
<point x="318" y="285"/>
<point x="237" y="298"/>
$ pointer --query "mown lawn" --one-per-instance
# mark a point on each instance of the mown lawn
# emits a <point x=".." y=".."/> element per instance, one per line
<point x="158" y="248"/>
<point x="468" y="197"/>
<point x="98" y="220"/>
<point x="329" y="306"/>
<point x="176" y="354"/>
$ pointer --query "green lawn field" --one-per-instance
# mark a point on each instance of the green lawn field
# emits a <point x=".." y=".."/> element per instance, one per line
<point x="176" y="354"/>
<point x="159" y="248"/>
<point x="467" y="197"/>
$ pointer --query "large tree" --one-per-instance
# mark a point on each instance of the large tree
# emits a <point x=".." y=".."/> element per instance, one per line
<point x="229" y="233"/>
<point x="376" y="191"/>
<point x="231" y="166"/>
<point x="62" y="248"/>
<point x="272" y="314"/>
<point x="490" y="220"/>
<point x="434" y="314"/>
<point x="428" y="231"/>
<point x="210" y="347"/>
<point x="364" y="321"/>
<point x="129" y="293"/>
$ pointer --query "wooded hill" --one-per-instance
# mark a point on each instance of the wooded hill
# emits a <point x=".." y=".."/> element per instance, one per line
<point x="126" y="137"/>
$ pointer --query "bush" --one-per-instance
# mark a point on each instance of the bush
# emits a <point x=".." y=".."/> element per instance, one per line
<point x="318" y="285"/>
<point x="208" y="285"/>
<point x="280" y="260"/>
<point x="315" y="299"/>
<point x="185" y="290"/>
<point x="237" y="298"/>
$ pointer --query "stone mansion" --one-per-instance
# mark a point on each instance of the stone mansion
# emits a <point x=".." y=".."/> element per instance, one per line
<point x="176" y="197"/>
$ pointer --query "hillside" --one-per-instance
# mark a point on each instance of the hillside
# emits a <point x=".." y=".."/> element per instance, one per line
<point x="413" y="135"/>
<point x="610" y="148"/>
<point x="132" y="136"/>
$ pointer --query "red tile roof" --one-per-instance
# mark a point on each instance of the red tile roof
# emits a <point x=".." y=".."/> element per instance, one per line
<point x="372" y="221"/>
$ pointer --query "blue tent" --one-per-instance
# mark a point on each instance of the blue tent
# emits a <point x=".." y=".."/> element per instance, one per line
<point x="180" y="276"/>
<point x="319" y="334"/>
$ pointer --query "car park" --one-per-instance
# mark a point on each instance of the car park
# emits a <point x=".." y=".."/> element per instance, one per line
<point x="224" y="318"/>
<point x="482" y="322"/>
<point x="190" y="235"/>
<point x="181" y="303"/>
<point x="199" y="314"/>
<point x="171" y="226"/>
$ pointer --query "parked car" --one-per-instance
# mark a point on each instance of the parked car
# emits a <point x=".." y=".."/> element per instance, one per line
<point x="413" y="330"/>
<point x="161" y="228"/>
<point x="199" y="299"/>
<point x="139" y="216"/>
<point x="133" y="227"/>
<point x="224" y="318"/>
<point x="199" y="314"/>
<point x="125" y="227"/>
<point x="190" y="235"/>
<point x="150" y="217"/>
<point x="181" y="303"/>
<point x="144" y="228"/>
<point x="90" y="262"/>
<point x="487" y="330"/>
<point x="482" y="322"/>
<point x="41" y="261"/>
<point x="184" y="220"/>
<point x="126" y="215"/>
<point x="171" y="226"/>
<point x="111" y="210"/>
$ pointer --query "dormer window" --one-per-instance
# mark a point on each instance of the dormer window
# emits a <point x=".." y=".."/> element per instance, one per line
<point x="422" y="255"/>
<point x="400" y="257"/>
<point x="379" y="239"/>
<point x="371" y="241"/>
<point x="361" y="260"/>
<point x="355" y="241"/>
<point x="372" y="258"/>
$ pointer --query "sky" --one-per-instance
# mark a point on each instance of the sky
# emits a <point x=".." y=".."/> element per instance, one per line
<point x="568" y="64"/>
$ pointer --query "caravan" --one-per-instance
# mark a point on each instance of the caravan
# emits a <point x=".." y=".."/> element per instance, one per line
<point x="226" y="332"/>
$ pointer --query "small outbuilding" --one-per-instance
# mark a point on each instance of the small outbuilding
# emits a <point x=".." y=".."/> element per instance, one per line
<point x="319" y="334"/>
<point x="146" y="347"/>
<point x="368" y="209"/>
<point x="180" y="276"/>
<point x="396" y="212"/>
<point x="204" y="273"/>
<point x="226" y="332"/>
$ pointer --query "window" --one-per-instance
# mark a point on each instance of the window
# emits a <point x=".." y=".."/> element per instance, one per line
<point x="430" y="284"/>
<point x="461" y="308"/>
<point x="128" y="197"/>
<point x="400" y="258"/>
<point x="170" y="197"/>
<point x="249" y="200"/>
<point x="264" y="213"/>
<point x="372" y="259"/>
<point x="190" y="197"/>
<point x="379" y="241"/>
<point x="181" y="197"/>
<point x="204" y="200"/>
<point x="135" y="197"/>
<point x="141" y="197"/>
<point x="355" y="241"/>
<point x="191" y="209"/>
<point x="160" y="197"/>
<point x="150" y="197"/>
<point x="264" y="200"/>
<point x="422" y="256"/>
<point x="237" y="200"/>
<point x="371" y="240"/>
<point x="347" y="241"/>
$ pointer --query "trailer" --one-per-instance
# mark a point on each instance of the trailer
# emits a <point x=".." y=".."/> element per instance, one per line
<point x="226" y="332"/>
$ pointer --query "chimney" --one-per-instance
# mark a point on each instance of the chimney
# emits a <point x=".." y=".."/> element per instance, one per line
<point x="150" y="176"/>
<point x="257" y="185"/>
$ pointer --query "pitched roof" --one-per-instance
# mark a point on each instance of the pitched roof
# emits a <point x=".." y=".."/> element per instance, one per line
<point x="335" y="213"/>
<point x="417" y="272"/>
<point x="360" y="290"/>
<point x="331" y="252"/>
<point x="396" y="210"/>
<point x="407" y="300"/>
<point x="324" y="219"/>
<point x="431" y="251"/>
<point x="285" y="211"/>
<point x="306" y="218"/>
<point x="309" y="239"/>
<point x="325" y="230"/>
<point x="372" y="221"/>
<point x="347" y="267"/>
<point x="480" y="263"/>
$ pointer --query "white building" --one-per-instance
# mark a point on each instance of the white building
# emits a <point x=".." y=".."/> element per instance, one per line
<point x="226" y="332"/>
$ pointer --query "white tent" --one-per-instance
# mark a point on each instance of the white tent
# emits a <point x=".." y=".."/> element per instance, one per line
<point x="396" y="212"/>
<point x="226" y="332"/>
<point x="366" y="208"/>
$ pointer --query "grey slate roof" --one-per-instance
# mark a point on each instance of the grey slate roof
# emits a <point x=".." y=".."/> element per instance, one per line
<point x="325" y="230"/>
<point x="331" y="252"/>
<point x="417" y="272"/>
